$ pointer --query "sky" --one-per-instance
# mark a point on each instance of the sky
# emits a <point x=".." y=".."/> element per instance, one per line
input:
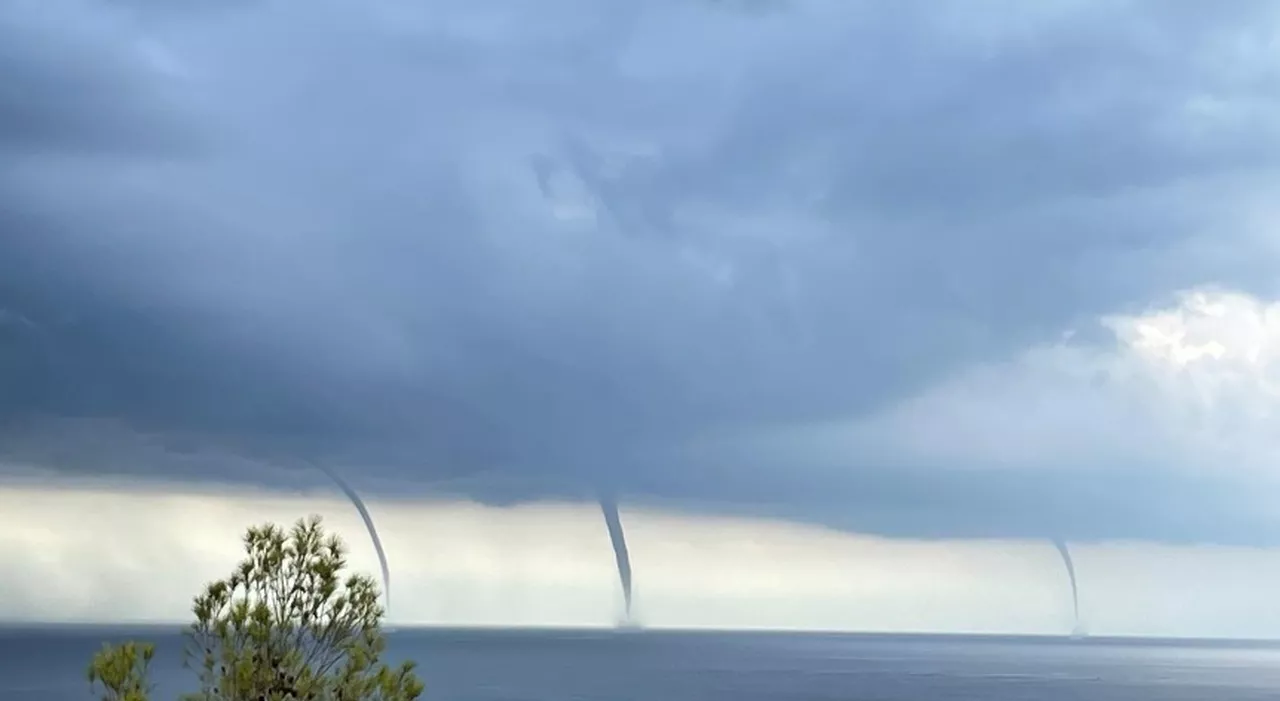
<point x="936" y="275"/>
<point x="91" y="552"/>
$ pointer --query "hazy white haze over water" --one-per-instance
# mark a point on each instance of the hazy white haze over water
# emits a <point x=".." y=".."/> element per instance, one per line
<point x="100" y="553"/>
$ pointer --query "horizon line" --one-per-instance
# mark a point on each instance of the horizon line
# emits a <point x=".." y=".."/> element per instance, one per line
<point x="8" y="627"/>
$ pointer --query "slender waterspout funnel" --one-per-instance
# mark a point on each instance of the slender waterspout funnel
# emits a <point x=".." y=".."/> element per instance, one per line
<point x="368" y="524"/>
<point x="613" y="521"/>
<point x="1070" y="566"/>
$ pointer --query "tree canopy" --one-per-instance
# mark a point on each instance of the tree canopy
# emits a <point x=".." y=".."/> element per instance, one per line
<point x="285" y="624"/>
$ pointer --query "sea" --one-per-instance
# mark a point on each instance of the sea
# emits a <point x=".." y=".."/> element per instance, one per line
<point x="47" y="664"/>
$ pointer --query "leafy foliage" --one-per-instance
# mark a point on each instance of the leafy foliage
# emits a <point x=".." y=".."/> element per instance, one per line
<point x="120" y="672"/>
<point x="285" y="625"/>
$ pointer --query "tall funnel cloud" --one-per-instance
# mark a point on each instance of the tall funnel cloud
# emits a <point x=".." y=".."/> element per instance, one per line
<point x="613" y="521"/>
<point x="1067" y="562"/>
<point x="368" y="524"/>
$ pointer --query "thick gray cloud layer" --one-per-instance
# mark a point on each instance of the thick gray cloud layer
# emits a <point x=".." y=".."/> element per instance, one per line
<point x="566" y="241"/>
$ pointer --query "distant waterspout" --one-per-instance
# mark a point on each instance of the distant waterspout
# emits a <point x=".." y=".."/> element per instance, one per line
<point x="1067" y="562"/>
<point x="613" y="521"/>
<point x="368" y="524"/>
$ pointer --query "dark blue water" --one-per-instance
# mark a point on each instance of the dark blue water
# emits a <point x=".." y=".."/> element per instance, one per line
<point x="48" y="665"/>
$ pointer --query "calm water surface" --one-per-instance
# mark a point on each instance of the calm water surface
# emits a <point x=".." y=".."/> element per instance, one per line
<point x="48" y="665"/>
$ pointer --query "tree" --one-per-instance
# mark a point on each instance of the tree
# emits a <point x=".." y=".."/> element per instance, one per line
<point x="122" y="671"/>
<point x="283" y="625"/>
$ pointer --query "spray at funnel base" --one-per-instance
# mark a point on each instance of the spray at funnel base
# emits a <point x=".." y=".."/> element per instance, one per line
<point x="613" y="521"/>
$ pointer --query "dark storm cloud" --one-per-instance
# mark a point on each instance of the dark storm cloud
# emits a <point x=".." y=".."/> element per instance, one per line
<point x="561" y="241"/>
<point x="68" y="91"/>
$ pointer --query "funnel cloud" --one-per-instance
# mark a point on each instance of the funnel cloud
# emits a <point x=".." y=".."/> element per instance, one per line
<point x="1070" y="566"/>
<point x="368" y="524"/>
<point x="613" y="521"/>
